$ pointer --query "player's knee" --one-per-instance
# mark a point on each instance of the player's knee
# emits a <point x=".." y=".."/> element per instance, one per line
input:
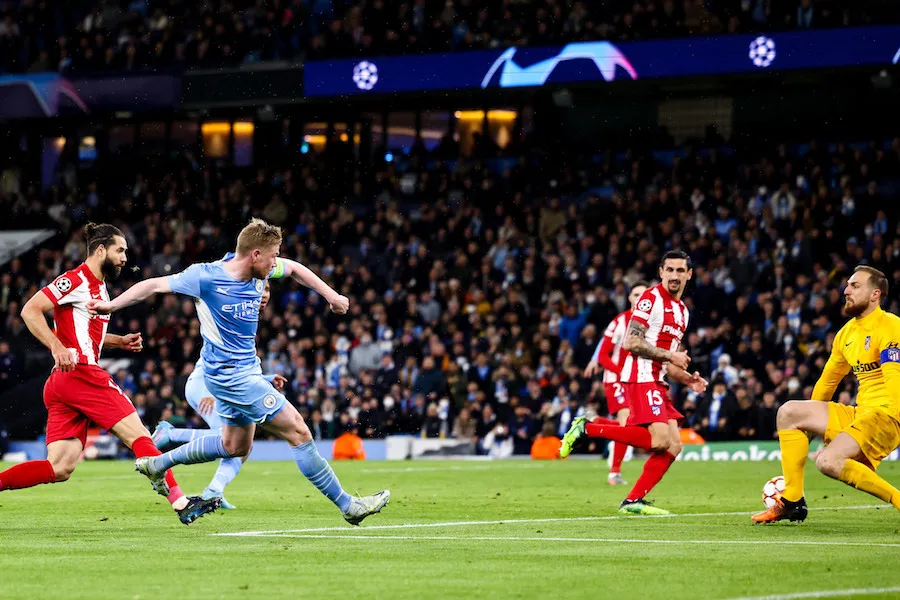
<point x="789" y="415"/>
<point x="62" y="471"/>
<point x="829" y="464"/>
<point x="237" y="448"/>
<point x="659" y="441"/>
<point x="675" y="447"/>
<point x="303" y="431"/>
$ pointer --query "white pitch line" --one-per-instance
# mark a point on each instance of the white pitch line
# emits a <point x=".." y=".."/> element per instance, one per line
<point x="825" y="594"/>
<point x="515" y="522"/>
<point x="439" y="538"/>
<point x="475" y="467"/>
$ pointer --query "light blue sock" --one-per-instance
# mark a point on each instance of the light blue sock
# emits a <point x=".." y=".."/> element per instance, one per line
<point x="225" y="474"/>
<point x="183" y="436"/>
<point x="319" y="472"/>
<point x="201" y="450"/>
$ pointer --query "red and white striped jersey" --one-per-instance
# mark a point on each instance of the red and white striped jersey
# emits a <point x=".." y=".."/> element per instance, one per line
<point x="78" y="331"/>
<point x="666" y="320"/>
<point x="615" y="332"/>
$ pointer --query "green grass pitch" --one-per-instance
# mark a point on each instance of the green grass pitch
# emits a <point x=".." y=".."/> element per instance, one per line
<point x="515" y="529"/>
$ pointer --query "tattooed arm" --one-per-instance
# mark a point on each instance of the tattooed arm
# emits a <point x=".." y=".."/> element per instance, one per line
<point x="636" y="343"/>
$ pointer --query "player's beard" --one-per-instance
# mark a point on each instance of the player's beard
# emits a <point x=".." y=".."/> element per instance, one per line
<point x="110" y="270"/>
<point x="853" y="310"/>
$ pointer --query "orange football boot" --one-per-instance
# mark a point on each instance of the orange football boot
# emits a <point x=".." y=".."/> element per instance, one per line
<point x="783" y="509"/>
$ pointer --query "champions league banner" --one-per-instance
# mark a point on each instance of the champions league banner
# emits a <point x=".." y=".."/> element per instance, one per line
<point x="44" y="95"/>
<point x="587" y="62"/>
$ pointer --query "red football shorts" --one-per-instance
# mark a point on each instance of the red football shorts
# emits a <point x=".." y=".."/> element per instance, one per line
<point x="650" y="403"/>
<point x="81" y="396"/>
<point x="615" y="397"/>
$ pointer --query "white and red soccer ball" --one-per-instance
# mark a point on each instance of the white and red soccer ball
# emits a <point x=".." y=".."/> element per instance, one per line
<point x="772" y="491"/>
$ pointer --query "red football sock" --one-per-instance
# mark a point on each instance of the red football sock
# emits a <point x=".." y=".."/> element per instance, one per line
<point x="654" y="469"/>
<point x="633" y="435"/>
<point x="143" y="446"/>
<point x="27" y="474"/>
<point x="604" y="421"/>
<point x="619" y="450"/>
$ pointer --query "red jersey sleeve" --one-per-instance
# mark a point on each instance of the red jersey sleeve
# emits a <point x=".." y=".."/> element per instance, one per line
<point x="604" y="356"/>
<point x="61" y="291"/>
<point x="644" y="308"/>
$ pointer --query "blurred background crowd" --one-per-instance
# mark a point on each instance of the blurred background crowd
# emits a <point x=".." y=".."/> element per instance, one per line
<point x="478" y="295"/>
<point x="134" y="35"/>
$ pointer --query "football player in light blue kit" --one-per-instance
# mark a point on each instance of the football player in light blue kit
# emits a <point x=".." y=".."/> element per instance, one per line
<point x="203" y="403"/>
<point x="228" y="296"/>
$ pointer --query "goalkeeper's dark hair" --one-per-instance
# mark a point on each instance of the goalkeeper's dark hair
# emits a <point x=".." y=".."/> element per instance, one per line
<point x="101" y="234"/>
<point x="676" y="255"/>
<point x="877" y="280"/>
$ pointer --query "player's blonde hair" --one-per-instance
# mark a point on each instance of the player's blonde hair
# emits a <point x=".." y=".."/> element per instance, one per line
<point x="257" y="235"/>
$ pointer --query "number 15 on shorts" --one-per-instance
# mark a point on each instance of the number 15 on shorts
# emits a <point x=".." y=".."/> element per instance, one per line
<point x="654" y="397"/>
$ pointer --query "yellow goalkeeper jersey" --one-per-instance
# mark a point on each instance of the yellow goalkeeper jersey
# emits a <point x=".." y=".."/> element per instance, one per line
<point x="870" y="348"/>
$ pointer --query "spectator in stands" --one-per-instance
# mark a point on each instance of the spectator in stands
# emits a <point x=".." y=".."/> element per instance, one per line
<point x="716" y="411"/>
<point x="766" y="413"/>
<point x="464" y="426"/>
<point x="546" y="445"/>
<point x="433" y="426"/>
<point x="367" y="355"/>
<point x="520" y="427"/>
<point x="486" y="424"/>
<point x="429" y="381"/>
<point x="725" y="371"/>
<point x="349" y="446"/>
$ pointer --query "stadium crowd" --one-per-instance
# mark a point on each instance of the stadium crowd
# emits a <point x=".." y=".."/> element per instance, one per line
<point x="130" y="35"/>
<point x="479" y="288"/>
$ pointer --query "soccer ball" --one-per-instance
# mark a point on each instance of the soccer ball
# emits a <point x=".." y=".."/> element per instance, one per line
<point x="772" y="491"/>
<point x="762" y="51"/>
<point x="365" y="75"/>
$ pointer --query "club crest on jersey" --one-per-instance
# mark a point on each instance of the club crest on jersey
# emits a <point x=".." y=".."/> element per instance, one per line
<point x="260" y="285"/>
<point x="644" y="305"/>
<point x="868" y="342"/>
<point x="63" y="284"/>
<point x="269" y="401"/>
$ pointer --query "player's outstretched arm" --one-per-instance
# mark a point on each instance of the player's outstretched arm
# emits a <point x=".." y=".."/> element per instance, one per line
<point x="692" y="380"/>
<point x="637" y="344"/>
<point x="136" y="293"/>
<point x="33" y="315"/>
<point x="302" y="274"/>
<point x="133" y="342"/>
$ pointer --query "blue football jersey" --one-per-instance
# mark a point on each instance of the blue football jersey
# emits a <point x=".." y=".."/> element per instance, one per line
<point x="228" y="310"/>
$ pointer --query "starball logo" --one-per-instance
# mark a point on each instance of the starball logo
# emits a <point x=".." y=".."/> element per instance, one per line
<point x="606" y="57"/>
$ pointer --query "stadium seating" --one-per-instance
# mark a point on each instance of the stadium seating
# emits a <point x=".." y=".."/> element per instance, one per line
<point x="85" y="36"/>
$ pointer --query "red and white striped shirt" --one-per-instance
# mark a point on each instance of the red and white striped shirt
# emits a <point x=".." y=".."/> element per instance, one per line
<point x="614" y="335"/>
<point x="666" y="320"/>
<point x="78" y="331"/>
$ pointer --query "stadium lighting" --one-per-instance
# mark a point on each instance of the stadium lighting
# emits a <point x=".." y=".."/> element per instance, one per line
<point x="215" y="128"/>
<point x="478" y="115"/>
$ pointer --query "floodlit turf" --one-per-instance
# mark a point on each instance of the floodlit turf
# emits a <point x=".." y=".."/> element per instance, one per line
<point x="104" y="534"/>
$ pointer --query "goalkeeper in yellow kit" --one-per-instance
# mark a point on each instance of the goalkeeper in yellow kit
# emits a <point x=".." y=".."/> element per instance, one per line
<point x="857" y="438"/>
